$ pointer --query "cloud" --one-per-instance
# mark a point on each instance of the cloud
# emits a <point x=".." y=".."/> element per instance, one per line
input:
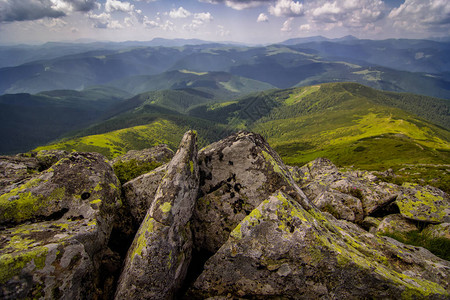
<point x="179" y="13"/>
<point x="287" y="8"/>
<point x="287" y="25"/>
<point x="262" y="18"/>
<point x="422" y="14"/>
<point x="222" y="31"/>
<point x="104" y="21"/>
<point x="205" y="17"/>
<point x="198" y="21"/>
<point x="239" y="4"/>
<point x="347" y="13"/>
<point x="116" y="5"/>
<point x="24" y="10"/>
<point x="305" y="27"/>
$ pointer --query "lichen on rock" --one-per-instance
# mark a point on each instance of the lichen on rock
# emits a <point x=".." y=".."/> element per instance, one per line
<point x="282" y="250"/>
<point x="426" y="204"/>
<point x="72" y="206"/>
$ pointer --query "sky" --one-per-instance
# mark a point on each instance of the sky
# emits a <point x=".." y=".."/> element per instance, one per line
<point x="245" y="21"/>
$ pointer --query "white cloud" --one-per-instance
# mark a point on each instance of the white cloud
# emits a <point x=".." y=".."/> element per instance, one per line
<point x="347" y="13"/>
<point x="222" y="31"/>
<point x="167" y="26"/>
<point x="198" y="21"/>
<point x="422" y="14"/>
<point x="179" y="13"/>
<point x="239" y="4"/>
<point x="75" y="5"/>
<point x="287" y="25"/>
<point x="116" y="5"/>
<point x="205" y="17"/>
<point x="104" y="21"/>
<point x="52" y="24"/>
<point x="286" y="8"/>
<point x="262" y="18"/>
<point x="305" y="27"/>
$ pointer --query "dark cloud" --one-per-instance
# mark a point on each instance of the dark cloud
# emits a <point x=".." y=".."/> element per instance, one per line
<point x="23" y="10"/>
<point x="83" y="5"/>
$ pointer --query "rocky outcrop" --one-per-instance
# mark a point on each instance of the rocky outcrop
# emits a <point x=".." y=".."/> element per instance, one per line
<point x="14" y="170"/>
<point x="72" y="208"/>
<point x="231" y="221"/>
<point x="158" y="259"/>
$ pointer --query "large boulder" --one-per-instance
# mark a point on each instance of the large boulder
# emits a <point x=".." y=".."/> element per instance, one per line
<point x="159" y="256"/>
<point x="72" y="209"/>
<point x="237" y="174"/>
<point x="426" y="204"/>
<point x="396" y="224"/>
<point x="282" y="251"/>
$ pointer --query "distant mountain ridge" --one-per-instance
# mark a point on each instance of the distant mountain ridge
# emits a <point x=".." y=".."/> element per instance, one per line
<point x="415" y="66"/>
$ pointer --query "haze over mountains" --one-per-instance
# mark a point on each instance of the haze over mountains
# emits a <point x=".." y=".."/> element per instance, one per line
<point x="417" y="66"/>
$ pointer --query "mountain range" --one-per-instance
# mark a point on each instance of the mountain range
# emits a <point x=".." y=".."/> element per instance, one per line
<point x="416" y="66"/>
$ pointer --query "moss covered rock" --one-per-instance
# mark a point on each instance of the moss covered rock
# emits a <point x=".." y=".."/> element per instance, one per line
<point x="282" y="251"/>
<point x="426" y="204"/>
<point x="321" y="177"/>
<point x="72" y="206"/>
<point x="395" y="224"/>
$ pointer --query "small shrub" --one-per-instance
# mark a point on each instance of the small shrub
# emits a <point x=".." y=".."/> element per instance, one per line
<point x="127" y="170"/>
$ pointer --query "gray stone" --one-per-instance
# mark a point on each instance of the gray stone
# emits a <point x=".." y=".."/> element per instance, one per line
<point x="72" y="206"/>
<point x="158" y="259"/>
<point x="340" y="205"/>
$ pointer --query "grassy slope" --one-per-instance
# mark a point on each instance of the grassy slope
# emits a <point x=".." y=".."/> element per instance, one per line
<point x="339" y="122"/>
<point x="348" y="123"/>
<point x="139" y="130"/>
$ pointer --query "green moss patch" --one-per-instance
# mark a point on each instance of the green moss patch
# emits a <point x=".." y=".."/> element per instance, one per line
<point x="131" y="169"/>
<point x="12" y="264"/>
